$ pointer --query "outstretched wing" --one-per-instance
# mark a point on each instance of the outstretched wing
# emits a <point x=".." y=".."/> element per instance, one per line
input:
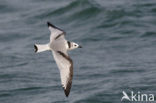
<point x="65" y="66"/>
<point x="55" y="32"/>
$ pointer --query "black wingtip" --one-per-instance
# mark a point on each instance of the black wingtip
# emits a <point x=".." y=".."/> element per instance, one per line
<point x="36" y="49"/>
<point x="66" y="93"/>
<point x="49" y="24"/>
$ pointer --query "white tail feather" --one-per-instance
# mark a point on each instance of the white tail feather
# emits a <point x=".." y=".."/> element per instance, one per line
<point x="41" y="47"/>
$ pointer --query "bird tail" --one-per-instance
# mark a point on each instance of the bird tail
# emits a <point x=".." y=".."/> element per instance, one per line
<point x="41" y="47"/>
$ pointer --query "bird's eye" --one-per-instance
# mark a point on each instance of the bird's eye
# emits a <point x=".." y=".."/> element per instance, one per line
<point x="74" y="45"/>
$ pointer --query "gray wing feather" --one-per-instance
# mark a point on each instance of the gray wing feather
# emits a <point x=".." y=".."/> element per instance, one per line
<point x="55" y="32"/>
<point x="65" y="66"/>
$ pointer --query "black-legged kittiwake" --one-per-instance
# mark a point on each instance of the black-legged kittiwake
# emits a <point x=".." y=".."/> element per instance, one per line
<point x="59" y="47"/>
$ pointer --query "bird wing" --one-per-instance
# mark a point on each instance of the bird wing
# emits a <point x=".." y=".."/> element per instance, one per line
<point x="56" y="32"/>
<point x="65" y="65"/>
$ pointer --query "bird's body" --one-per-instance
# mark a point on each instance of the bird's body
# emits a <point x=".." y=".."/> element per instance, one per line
<point x="59" y="47"/>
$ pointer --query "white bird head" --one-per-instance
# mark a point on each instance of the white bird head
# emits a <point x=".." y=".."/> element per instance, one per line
<point x="73" y="45"/>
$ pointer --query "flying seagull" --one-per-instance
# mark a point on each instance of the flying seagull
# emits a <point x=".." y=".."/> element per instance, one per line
<point x="59" y="47"/>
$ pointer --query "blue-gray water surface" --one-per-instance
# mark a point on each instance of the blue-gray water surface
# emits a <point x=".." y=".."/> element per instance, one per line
<point x="118" y="54"/>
